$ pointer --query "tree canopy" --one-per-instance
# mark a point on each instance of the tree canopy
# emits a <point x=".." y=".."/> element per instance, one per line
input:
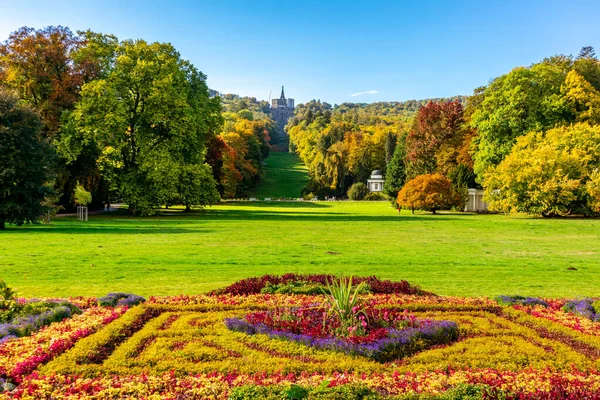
<point x="153" y="111"/>
<point x="549" y="173"/>
<point x="428" y="192"/>
<point x="25" y="165"/>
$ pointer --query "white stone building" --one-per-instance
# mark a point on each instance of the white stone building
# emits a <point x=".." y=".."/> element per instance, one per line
<point x="375" y="184"/>
<point x="475" y="202"/>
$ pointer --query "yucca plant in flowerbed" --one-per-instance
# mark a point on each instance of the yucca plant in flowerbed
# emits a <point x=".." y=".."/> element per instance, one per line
<point x="347" y="324"/>
<point x="313" y="284"/>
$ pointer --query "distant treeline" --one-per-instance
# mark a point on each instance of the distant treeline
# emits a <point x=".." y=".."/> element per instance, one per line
<point x="530" y="138"/>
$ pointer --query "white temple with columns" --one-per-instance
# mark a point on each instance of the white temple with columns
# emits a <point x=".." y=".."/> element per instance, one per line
<point x="375" y="183"/>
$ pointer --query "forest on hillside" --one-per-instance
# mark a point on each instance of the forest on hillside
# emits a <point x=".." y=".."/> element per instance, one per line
<point x="88" y="119"/>
<point x="530" y="138"/>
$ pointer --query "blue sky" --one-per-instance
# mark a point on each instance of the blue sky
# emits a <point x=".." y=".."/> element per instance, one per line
<point x="330" y="50"/>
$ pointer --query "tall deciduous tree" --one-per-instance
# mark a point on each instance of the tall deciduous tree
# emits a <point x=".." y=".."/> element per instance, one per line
<point x="24" y="164"/>
<point x="549" y="174"/>
<point x="435" y="138"/>
<point x="523" y="100"/>
<point x="38" y="64"/>
<point x="153" y="109"/>
<point x="47" y="68"/>
<point x="582" y="98"/>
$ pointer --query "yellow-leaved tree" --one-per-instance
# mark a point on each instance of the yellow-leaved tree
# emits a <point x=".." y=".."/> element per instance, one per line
<point x="582" y="98"/>
<point x="549" y="174"/>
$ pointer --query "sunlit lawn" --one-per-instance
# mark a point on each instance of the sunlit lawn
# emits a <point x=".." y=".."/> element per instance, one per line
<point x="451" y="254"/>
<point x="285" y="176"/>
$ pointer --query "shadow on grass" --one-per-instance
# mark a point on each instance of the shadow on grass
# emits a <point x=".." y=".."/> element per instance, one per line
<point x="275" y="204"/>
<point x="112" y="229"/>
<point x="285" y="215"/>
<point x="174" y="221"/>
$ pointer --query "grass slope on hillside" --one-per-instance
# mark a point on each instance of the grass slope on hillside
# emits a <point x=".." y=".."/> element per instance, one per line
<point x="285" y="176"/>
<point x="449" y="254"/>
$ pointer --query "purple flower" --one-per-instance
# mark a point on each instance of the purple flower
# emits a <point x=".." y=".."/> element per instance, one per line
<point x="524" y="301"/>
<point x="238" y="325"/>
<point x="583" y="308"/>
<point x="26" y="325"/>
<point x="6" y="338"/>
<point x="119" y="299"/>
<point x="398" y="343"/>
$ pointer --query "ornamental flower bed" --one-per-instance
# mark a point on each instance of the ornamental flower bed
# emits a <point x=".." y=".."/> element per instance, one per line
<point x="313" y="284"/>
<point x="381" y="335"/>
<point x="183" y="347"/>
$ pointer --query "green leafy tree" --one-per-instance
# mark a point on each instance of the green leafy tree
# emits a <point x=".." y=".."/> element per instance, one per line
<point x="358" y="191"/>
<point x="197" y="187"/>
<point x="523" y="100"/>
<point x="82" y="196"/>
<point x="549" y="174"/>
<point x="391" y="141"/>
<point x="47" y="68"/>
<point x="153" y="110"/>
<point x="586" y="64"/>
<point x="25" y="165"/>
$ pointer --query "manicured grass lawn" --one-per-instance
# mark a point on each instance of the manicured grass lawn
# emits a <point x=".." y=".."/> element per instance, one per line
<point x="285" y="176"/>
<point x="450" y="254"/>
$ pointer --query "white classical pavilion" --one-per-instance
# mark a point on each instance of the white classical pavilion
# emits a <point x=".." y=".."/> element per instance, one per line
<point x="375" y="184"/>
<point x="475" y="202"/>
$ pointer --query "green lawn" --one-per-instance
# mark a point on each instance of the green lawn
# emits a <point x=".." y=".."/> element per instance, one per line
<point x="451" y="254"/>
<point x="285" y="176"/>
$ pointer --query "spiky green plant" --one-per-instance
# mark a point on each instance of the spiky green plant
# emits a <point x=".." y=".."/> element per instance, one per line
<point x="343" y="300"/>
<point x="8" y="296"/>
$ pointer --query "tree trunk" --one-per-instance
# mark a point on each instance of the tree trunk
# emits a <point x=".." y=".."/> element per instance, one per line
<point x="188" y="208"/>
<point x="2" y="223"/>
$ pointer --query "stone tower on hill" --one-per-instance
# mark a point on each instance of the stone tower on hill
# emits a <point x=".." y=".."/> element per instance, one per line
<point x="282" y="110"/>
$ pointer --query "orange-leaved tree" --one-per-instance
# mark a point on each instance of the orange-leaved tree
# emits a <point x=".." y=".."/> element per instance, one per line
<point x="429" y="192"/>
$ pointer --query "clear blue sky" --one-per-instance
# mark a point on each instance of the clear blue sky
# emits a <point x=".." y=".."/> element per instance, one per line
<point x="329" y="50"/>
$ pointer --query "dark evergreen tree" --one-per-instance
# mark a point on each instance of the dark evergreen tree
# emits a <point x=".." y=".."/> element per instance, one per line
<point x="587" y="52"/>
<point x="24" y="165"/>
<point x="390" y="147"/>
<point x="396" y="170"/>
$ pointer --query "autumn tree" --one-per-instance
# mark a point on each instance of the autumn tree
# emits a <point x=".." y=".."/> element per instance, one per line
<point x="39" y="65"/>
<point x="25" y="165"/>
<point x="549" y="173"/>
<point x="582" y="98"/>
<point x="435" y="137"/>
<point x="47" y="68"/>
<point x="429" y="192"/>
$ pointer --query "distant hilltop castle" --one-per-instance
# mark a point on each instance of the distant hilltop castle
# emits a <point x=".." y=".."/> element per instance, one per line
<point x="282" y="110"/>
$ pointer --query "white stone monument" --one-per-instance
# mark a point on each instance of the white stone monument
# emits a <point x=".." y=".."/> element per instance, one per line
<point x="475" y="202"/>
<point x="375" y="184"/>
